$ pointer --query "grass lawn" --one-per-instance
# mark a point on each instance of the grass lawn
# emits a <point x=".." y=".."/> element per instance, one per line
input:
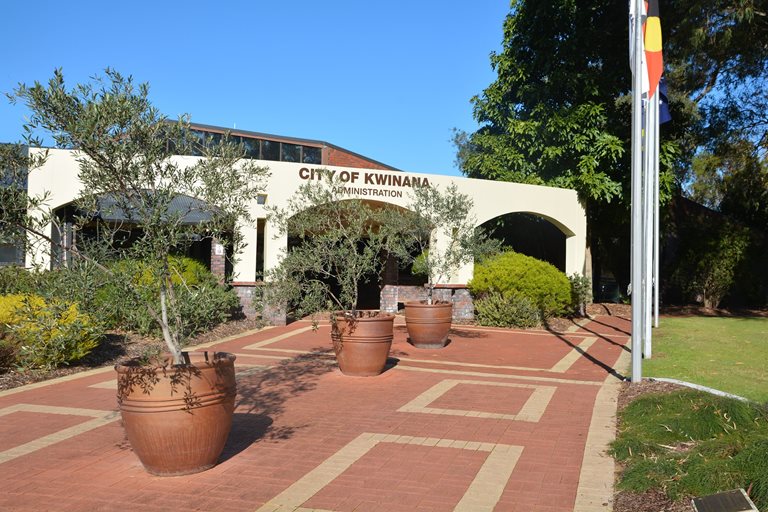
<point x="729" y="354"/>
<point x="690" y="443"/>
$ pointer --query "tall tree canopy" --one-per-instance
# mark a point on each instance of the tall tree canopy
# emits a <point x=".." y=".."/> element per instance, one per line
<point x="559" y="111"/>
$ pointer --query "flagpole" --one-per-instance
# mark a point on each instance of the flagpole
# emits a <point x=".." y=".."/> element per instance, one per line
<point x="637" y="165"/>
<point x="651" y="131"/>
<point x="656" y="280"/>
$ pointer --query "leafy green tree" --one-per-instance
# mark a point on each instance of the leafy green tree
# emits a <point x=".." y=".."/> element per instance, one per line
<point x="559" y="111"/>
<point x="125" y="150"/>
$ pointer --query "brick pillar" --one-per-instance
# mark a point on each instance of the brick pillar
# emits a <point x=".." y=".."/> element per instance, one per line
<point x="388" y="298"/>
<point x="274" y="315"/>
<point x="463" y="307"/>
<point x="218" y="259"/>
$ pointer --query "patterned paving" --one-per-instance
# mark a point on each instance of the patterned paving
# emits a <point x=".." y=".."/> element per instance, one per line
<point x="504" y="420"/>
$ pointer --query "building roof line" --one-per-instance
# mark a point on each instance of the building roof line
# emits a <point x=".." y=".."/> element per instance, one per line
<point x="282" y="138"/>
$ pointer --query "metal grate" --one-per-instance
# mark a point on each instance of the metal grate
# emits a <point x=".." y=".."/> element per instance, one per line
<point x="729" y="501"/>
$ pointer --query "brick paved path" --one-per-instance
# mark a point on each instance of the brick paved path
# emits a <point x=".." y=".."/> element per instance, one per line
<point x="499" y="420"/>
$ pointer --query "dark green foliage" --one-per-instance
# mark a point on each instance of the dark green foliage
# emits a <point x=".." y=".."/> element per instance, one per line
<point x="15" y="279"/>
<point x="7" y="350"/>
<point x="506" y="310"/>
<point x="694" y="443"/>
<point x="558" y="112"/>
<point x="710" y="257"/>
<point x="198" y="301"/>
<point x="511" y="272"/>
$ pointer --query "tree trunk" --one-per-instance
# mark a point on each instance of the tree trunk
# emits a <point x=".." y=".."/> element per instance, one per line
<point x="168" y="337"/>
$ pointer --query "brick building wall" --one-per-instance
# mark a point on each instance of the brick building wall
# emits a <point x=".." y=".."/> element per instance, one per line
<point x="458" y="294"/>
<point x="341" y="158"/>
<point x="218" y="260"/>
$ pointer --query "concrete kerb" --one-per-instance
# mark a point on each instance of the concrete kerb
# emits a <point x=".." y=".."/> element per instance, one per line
<point x="596" y="480"/>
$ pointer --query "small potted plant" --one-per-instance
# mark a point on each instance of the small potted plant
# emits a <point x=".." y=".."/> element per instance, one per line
<point x="440" y="239"/>
<point x="178" y="412"/>
<point x="336" y="243"/>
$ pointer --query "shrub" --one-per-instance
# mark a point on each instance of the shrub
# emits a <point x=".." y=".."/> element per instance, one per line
<point x="46" y="334"/>
<point x="7" y="350"/>
<point x="539" y="281"/>
<point x="199" y="301"/>
<point x="510" y="310"/>
<point x="581" y="293"/>
<point x="709" y="267"/>
<point x="14" y="279"/>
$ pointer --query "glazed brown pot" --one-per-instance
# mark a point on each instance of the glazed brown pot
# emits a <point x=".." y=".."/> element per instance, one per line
<point x="177" y="418"/>
<point x="428" y="324"/>
<point x="362" y="344"/>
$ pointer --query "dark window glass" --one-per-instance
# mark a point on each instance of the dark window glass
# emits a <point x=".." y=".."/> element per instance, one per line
<point x="290" y="153"/>
<point x="8" y="254"/>
<point x="197" y="139"/>
<point x="212" y="139"/>
<point x="311" y="155"/>
<point x="261" y="225"/>
<point x="251" y="147"/>
<point x="270" y="150"/>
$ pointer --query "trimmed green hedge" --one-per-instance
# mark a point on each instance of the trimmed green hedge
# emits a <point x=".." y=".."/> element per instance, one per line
<point x="514" y="273"/>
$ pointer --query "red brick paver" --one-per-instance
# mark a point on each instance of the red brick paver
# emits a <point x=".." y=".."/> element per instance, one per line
<point x="497" y="420"/>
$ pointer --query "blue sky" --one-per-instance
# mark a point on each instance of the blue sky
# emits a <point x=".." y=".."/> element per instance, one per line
<point x="389" y="80"/>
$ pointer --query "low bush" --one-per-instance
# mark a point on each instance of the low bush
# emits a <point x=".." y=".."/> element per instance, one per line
<point x="510" y="310"/>
<point x="14" y="279"/>
<point x="581" y="293"/>
<point x="46" y="334"/>
<point x="198" y="302"/>
<point x="538" y="281"/>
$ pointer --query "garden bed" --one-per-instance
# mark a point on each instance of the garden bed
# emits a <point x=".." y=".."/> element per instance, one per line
<point x="119" y="346"/>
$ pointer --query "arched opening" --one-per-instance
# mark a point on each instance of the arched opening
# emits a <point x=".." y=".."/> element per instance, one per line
<point x="370" y="289"/>
<point x="530" y="234"/>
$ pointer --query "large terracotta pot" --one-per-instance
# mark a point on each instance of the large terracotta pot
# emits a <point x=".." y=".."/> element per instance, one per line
<point x="177" y="418"/>
<point x="362" y="343"/>
<point x="428" y="324"/>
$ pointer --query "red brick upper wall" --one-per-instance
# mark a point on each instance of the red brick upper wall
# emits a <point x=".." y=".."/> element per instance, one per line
<point x="344" y="159"/>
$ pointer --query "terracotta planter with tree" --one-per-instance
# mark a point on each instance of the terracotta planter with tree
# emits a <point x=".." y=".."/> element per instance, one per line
<point x="134" y="188"/>
<point x="440" y="239"/>
<point x="339" y="244"/>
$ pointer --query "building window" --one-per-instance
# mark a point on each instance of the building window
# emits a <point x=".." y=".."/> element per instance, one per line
<point x="290" y="152"/>
<point x="9" y="255"/>
<point x="252" y="149"/>
<point x="261" y="225"/>
<point x="311" y="155"/>
<point x="270" y="150"/>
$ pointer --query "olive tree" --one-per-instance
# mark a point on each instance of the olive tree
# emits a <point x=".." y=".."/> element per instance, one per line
<point x="439" y="234"/>
<point x="128" y="170"/>
<point x="340" y="243"/>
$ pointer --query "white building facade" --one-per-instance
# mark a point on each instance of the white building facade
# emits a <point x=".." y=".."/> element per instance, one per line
<point x="58" y="177"/>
